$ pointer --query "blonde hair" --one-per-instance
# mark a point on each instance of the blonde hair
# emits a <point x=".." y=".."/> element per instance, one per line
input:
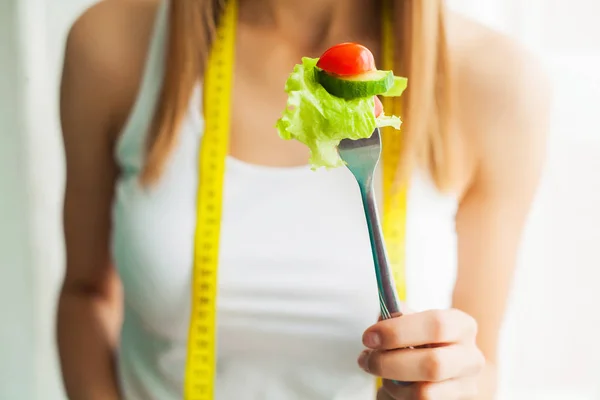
<point x="422" y="56"/>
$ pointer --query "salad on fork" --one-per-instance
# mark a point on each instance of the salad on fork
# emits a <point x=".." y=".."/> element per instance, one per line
<point x="334" y="97"/>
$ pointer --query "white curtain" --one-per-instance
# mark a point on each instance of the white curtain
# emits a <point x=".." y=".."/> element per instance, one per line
<point x="549" y="348"/>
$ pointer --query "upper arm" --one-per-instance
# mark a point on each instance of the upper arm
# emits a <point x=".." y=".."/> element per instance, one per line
<point x="89" y="102"/>
<point x="507" y="97"/>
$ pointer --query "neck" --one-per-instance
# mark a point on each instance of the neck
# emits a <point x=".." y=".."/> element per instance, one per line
<point x="311" y="24"/>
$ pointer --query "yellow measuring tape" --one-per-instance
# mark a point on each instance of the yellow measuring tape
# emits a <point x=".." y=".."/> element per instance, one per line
<point x="200" y="369"/>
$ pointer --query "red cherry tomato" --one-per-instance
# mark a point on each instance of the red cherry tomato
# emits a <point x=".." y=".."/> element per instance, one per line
<point x="378" y="107"/>
<point x="347" y="59"/>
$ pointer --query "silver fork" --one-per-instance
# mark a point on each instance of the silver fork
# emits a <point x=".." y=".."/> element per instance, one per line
<point x="361" y="157"/>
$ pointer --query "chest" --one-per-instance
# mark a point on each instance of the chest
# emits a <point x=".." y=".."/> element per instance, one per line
<point x="294" y="251"/>
<point x="293" y="244"/>
<point x="257" y="102"/>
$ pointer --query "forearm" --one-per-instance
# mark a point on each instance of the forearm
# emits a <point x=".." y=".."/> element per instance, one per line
<point x="86" y="339"/>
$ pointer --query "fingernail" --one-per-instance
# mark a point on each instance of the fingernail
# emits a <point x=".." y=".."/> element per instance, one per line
<point x="363" y="360"/>
<point x="372" y="340"/>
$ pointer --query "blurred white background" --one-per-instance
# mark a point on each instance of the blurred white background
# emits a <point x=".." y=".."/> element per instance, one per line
<point x="549" y="348"/>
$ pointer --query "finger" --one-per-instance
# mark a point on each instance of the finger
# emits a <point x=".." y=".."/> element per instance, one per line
<point x="454" y="389"/>
<point x="383" y="394"/>
<point x="428" y="327"/>
<point x="405" y="310"/>
<point x="394" y="391"/>
<point x="426" y="364"/>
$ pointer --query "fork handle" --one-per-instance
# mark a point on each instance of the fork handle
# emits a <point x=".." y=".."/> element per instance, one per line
<point x="388" y="295"/>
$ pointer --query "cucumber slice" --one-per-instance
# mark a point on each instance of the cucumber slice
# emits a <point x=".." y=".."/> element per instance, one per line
<point x="397" y="88"/>
<point x="368" y="84"/>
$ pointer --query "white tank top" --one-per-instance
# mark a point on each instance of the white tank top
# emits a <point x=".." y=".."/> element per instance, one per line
<point x="296" y="281"/>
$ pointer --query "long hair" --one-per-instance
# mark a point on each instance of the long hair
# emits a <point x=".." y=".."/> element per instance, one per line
<point x="422" y="56"/>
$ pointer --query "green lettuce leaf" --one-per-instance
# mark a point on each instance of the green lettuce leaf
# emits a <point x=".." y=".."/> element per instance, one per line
<point x="320" y="120"/>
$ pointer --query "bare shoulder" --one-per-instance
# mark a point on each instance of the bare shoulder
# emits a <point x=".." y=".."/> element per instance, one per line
<point x="106" y="51"/>
<point x="503" y="98"/>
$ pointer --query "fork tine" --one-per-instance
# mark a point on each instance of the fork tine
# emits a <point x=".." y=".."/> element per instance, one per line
<point x="373" y="140"/>
<point x="361" y="156"/>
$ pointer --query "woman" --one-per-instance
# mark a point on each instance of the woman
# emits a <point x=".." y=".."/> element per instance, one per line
<point x="131" y="140"/>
